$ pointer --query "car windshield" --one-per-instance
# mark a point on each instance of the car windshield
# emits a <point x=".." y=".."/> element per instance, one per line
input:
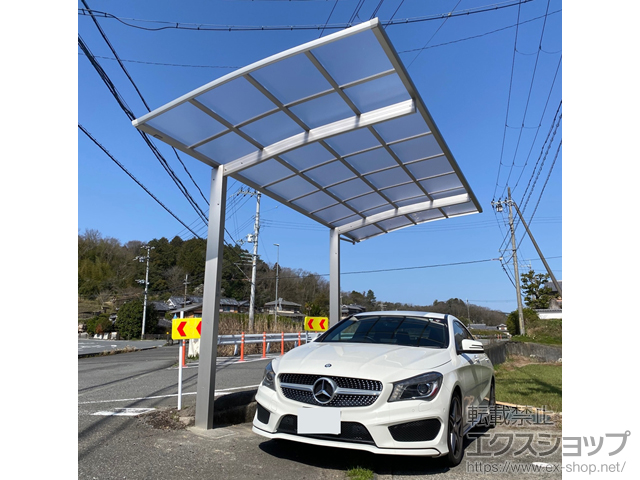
<point x="391" y="330"/>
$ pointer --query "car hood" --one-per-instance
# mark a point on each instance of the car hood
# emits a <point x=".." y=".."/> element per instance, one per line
<point x="386" y="363"/>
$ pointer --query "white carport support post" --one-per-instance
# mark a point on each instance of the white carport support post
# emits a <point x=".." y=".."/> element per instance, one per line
<point x="334" y="278"/>
<point x="210" y="311"/>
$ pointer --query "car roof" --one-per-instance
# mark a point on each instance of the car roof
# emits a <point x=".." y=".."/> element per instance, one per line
<point x="403" y="313"/>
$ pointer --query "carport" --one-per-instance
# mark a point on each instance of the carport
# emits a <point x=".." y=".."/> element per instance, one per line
<point x="334" y="129"/>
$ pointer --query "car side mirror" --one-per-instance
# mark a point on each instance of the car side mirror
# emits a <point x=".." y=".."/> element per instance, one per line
<point x="472" y="346"/>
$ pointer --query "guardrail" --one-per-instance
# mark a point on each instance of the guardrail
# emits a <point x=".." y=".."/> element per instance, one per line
<point x="239" y="341"/>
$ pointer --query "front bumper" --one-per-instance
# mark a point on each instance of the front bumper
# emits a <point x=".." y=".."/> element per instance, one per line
<point x="409" y="427"/>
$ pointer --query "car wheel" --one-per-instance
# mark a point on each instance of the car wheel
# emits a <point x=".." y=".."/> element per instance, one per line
<point x="454" y="432"/>
<point x="492" y="405"/>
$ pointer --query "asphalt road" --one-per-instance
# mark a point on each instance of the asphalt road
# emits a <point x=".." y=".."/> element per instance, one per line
<point x="149" y="379"/>
<point x="92" y="345"/>
<point x="116" y="447"/>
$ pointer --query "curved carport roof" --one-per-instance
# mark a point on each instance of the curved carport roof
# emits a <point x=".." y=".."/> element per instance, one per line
<point x="334" y="129"/>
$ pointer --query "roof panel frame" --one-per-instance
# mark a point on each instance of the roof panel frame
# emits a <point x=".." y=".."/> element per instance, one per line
<point x="400" y="211"/>
<point x="338" y="89"/>
<point x="321" y="133"/>
<point x="420" y="106"/>
<point x="259" y="156"/>
<point x="374" y="132"/>
<point x="257" y="65"/>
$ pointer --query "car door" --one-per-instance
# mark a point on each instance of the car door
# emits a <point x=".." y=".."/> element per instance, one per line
<point x="483" y="372"/>
<point x="467" y="371"/>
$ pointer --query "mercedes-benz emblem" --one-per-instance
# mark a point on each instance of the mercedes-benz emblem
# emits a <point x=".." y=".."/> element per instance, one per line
<point x="324" y="389"/>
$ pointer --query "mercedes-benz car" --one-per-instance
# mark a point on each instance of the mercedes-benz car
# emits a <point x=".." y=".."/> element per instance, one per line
<point x="407" y="383"/>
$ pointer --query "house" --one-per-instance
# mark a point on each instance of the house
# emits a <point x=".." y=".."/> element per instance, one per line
<point x="229" y="305"/>
<point x="348" y="310"/>
<point x="285" y="309"/>
<point x="556" y="302"/>
<point x="179" y="301"/>
<point x="549" y="313"/>
<point x="161" y="308"/>
<point x="243" y="306"/>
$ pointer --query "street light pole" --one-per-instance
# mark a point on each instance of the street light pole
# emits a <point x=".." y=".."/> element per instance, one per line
<point x="275" y="310"/>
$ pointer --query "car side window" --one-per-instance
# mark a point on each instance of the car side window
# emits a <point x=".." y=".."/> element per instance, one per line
<point x="460" y="333"/>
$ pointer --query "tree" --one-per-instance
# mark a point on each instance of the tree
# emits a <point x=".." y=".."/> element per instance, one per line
<point x="370" y="300"/>
<point x="129" y="321"/>
<point x="513" y="322"/>
<point x="99" y="324"/>
<point x="536" y="294"/>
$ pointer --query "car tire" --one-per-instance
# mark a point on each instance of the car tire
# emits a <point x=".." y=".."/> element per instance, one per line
<point x="492" y="405"/>
<point x="455" y="438"/>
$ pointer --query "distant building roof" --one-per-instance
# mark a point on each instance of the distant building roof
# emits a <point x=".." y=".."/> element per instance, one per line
<point x="160" y="306"/>
<point x="180" y="301"/>
<point x="229" y="301"/>
<point x="552" y="286"/>
<point x="284" y="302"/>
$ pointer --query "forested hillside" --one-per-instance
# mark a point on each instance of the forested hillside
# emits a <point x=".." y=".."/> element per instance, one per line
<point x="108" y="270"/>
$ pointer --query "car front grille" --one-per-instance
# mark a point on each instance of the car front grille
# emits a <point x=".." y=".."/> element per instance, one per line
<point x="351" y="392"/>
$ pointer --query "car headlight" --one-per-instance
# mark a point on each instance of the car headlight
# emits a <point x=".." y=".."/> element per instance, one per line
<point x="422" y="387"/>
<point x="269" y="377"/>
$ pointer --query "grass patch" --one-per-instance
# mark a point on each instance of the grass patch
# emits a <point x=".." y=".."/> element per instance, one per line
<point x="533" y="384"/>
<point x="359" y="473"/>
<point x="546" y="332"/>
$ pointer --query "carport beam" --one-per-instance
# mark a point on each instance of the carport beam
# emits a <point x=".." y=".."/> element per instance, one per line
<point x="334" y="277"/>
<point x="210" y="311"/>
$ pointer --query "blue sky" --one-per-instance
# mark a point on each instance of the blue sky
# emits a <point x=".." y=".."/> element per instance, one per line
<point x="494" y="100"/>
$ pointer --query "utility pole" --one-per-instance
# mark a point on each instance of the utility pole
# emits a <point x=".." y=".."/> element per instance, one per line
<point x="275" y="310"/>
<point x="254" y="258"/>
<point x="546" y="265"/>
<point x="146" y="285"/>
<point x="186" y="284"/>
<point x="468" y="314"/>
<point x="510" y="203"/>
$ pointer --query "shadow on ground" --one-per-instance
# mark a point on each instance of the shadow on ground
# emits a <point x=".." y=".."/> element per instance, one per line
<point x="345" y="459"/>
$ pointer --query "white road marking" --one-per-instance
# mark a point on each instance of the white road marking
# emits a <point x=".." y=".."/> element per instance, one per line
<point x="124" y="412"/>
<point x="218" y="393"/>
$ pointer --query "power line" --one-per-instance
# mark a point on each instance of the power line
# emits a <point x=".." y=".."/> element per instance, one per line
<point x="125" y="108"/>
<point x="506" y="120"/>
<point x="473" y="37"/>
<point x="126" y="72"/>
<point x="328" y="18"/>
<point x="134" y="178"/>
<point x="231" y="67"/>
<point x="401" y="268"/>
<point x="231" y="28"/>
<point x="431" y="38"/>
<point x="526" y="109"/>
<point x="544" y="111"/>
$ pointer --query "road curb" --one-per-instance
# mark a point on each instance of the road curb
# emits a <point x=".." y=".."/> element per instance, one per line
<point x="234" y="408"/>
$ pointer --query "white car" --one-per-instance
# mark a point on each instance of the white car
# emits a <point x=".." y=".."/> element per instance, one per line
<point x="405" y="383"/>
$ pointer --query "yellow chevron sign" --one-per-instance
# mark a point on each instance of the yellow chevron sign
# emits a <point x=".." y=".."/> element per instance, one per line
<point x="316" y="324"/>
<point x="186" y="328"/>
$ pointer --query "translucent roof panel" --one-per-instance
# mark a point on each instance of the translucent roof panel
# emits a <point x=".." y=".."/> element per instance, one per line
<point x="288" y="88"/>
<point x="333" y="128"/>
